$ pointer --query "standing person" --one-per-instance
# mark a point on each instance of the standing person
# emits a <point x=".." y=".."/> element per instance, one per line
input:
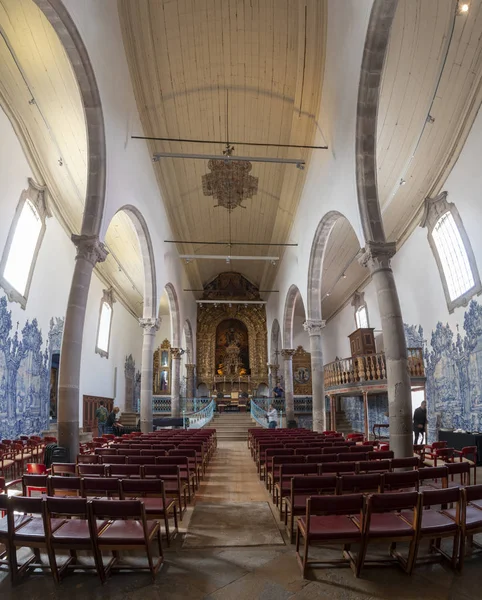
<point x="272" y="416"/>
<point x="278" y="391"/>
<point x="101" y="415"/>
<point x="420" y="421"/>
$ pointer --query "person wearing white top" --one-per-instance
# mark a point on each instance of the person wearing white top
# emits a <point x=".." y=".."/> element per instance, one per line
<point x="272" y="416"/>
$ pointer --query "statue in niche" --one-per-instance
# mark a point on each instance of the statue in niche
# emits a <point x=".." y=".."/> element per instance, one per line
<point x="232" y="351"/>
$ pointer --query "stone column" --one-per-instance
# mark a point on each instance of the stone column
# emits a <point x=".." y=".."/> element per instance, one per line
<point x="89" y="252"/>
<point x="287" y="355"/>
<point x="150" y="325"/>
<point x="377" y="257"/>
<point x="314" y="328"/>
<point x="175" y="382"/>
<point x="190" y="391"/>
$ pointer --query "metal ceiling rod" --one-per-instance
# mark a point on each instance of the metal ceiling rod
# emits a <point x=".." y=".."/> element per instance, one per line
<point x="163" y="139"/>
<point x="231" y="301"/>
<point x="225" y="243"/>
<point x="299" y="162"/>
<point x="223" y="257"/>
<point x="260" y="291"/>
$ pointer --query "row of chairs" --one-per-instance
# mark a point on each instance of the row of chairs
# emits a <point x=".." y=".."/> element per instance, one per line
<point x="54" y="524"/>
<point x="397" y="517"/>
<point x="297" y="489"/>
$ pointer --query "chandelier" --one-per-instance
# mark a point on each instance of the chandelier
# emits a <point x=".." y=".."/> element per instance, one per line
<point x="229" y="181"/>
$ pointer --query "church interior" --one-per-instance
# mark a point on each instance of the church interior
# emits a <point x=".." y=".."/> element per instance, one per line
<point x="240" y="299"/>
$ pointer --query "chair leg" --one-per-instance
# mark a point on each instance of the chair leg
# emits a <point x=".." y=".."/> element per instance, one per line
<point x="166" y="525"/>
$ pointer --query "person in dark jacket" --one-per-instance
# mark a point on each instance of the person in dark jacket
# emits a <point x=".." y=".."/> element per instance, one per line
<point x="420" y="421"/>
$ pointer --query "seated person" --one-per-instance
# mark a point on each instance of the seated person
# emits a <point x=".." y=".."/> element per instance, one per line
<point x="113" y="421"/>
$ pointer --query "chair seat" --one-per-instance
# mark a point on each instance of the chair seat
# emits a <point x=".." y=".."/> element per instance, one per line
<point x="299" y="500"/>
<point x="156" y="505"/>
<point x="33" y="530"/>
<point x="477" y="504"/>
<point x="171" y="486"/>
<point x="18" y="521"/>
<point x="126" y="533"/>
<point x="433" y="521"/>
<point x="330" y="527"/>
<point x="473" y="516"/>
<point x="75" y="531"/>
<point x="388" y="525"/>
<point x="7" y="463"/>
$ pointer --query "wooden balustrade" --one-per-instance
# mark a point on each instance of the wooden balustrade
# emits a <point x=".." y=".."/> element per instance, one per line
<point x="368" y="368"/>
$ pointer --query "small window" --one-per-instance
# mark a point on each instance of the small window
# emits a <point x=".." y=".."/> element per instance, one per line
<point x="23" y="244"/>
<point x="361" y="317"/>
<point x="452" y="251"/>
<point x="105" y="321"/>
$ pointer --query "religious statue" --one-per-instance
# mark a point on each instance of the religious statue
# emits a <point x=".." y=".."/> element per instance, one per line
<point x="220" y="370"/>
<point x="232" y="337"/>
<point x="242" y="372"/>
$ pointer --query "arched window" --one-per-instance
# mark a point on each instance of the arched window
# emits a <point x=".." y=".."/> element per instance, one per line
<point x="452" y="250"/>
<point x="105" y="322"/>
<point x="361" y="317"/>
<point x="23" y="243"/>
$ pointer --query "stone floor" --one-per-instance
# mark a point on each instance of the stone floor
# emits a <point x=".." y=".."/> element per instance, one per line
<point x="264" y="572"/>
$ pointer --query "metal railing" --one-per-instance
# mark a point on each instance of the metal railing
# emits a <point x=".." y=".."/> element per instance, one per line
<point x="162" y="404"/>
<point x="200" y="418"/>
<point x="259" y="408"/>
<point x="368" y="367"/>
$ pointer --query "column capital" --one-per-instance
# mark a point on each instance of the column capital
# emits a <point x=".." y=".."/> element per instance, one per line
<point x="190" y="367"/>
<point x="287" y="353"/>
<point x="376" y="255"/>
<point x="273" y="366"/>
<point x="90" y="248"/>
<point x="149" y="324"/>
<point x="314" y="326"/>
<point x="176" y="353"/>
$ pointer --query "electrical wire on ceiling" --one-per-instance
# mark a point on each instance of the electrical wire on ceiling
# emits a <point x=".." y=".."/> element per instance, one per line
<point x="341" y="276"/>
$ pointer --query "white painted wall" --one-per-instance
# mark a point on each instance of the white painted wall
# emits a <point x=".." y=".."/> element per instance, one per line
<point x="51" y="284"/>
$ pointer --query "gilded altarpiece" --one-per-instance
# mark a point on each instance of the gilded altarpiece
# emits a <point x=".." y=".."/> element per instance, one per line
<point x="161" y="372"/>
<point x="232" y="339"/>
<point x="302" y="372"/>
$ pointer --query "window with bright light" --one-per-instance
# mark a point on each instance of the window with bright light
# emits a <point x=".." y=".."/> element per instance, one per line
<point x="23" y="243"/>
<point x="361" y="316"/>
<point x="453" y="256"/>
<point x="452" y="251"/>
<point x="103" y="334"/>
<point x="22" y="248"/>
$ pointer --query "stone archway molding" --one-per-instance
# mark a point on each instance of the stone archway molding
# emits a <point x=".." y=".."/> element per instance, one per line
<point x="64" y="26"/>
<point x="174" y="314"/>
<point x="288" y="315"/>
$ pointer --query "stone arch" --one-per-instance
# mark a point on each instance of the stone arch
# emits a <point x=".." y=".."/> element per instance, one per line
<point x="189" y="340"/>
<point x="175" y="315"/>
<point x="147" y="253"/>
<point x="315" y="268"/>
<point x="376" y="46"/>
<point x="288" y="316"/>
<point x="275" y="341"/>
<point x="64" y="26"/>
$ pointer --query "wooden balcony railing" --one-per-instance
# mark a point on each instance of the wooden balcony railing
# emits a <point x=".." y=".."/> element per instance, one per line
<point x="368" y="368"/>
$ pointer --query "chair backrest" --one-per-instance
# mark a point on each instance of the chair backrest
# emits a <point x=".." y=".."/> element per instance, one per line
<point x="380" y="455"/>
<point x="429" y="473"/>
<point x="405" y="463"/>
<point x="142" y="487"/>
<point x="36" y="468"/>
<point x="117" y="509"/>
<point x="59" y="484"/>
<point x="23" y="504"/>
<point x="341" y="467"/>
<point x="154" y="452"/>
<point x="102" y="451"/>
<point x="473" y="492"/>
<point x="186" y="452"/>
<point x="335" y="449"/>
<point x="141" y="460"/>
<point x="121" y="471"/>
<point x="341" y="505"/>
<point x="33" y="481"/>
<point x="400" y="480"/>
<point x="322" y="458"/>
<point x="442" y="496"/>
<point x="289" y="470"/>
<point x="161" y="470"/>
<point x="460" y="468"/>
<point x="88" y="459"/>
<point x="63" y="469"/>
<point x="361" y="449"/>
<point x="438" y="445"/>
<point x="100" y="486"/>
<point x="91" y="470"/>
<point x="316" y="484"/>
<point x="66" y="507"/>
<point x="350" y="456"/>
<point x="395" y="501"/>
<point x="372" y="466"/>
<point x="113" y="459"/>
<point x="362" y="482"/>
<point x="129" y="452"/>
<point x="276" y="461"/>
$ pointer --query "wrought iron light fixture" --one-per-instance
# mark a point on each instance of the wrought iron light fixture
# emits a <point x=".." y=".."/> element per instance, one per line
<point x="229" y="181"/>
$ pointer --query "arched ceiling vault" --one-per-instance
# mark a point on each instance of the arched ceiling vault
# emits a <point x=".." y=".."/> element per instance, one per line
<point x="200" y="67"/>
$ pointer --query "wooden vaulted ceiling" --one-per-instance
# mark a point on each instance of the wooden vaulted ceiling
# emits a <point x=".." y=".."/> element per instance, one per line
<point x="203" y="67"/>
<point x="431" y="91"/>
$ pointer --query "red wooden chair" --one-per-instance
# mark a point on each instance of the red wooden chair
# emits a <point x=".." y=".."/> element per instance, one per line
<point x="273" y="469"/>
<point x="58" y="485"/>
<point x="91" y="470"/>
<point x="174" y="487"/>
<point x="328" y="520"/>
<point x="88" y="459"/>
<point x="435" y="525"/>
<point x="361" y="449"/>
<point x="373" y="466"/>
<point x="404" y="480"/>
<point x="73" y="534"/>
<point x="350" y="456"/>
<point x="470" y="520"/>
<point x="34" y="483"/>
<point x="410" y="462"/>
<point x="468" y="455"/>
<point x="113" y="459"/>
<point x="380" y="455"/>
<point x="64" y="469"/>
<point x="363" y="483"/>
<point x="100" y="487"/>
<point x="322" y="458"/>
<point x="432" y="478"/>
<point x="384" y="522"/>
<point x="337" y="468"/>
<point x="141" y="460"/>
<point x="187" y="475"/>
<point x="103" y="451"/>
<point x="192" y="458"/>
<point x="303" y="488"/>
<point x="128" y="529"/>
<point x="154" y="498"/>
<point x="282" y="486"/>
